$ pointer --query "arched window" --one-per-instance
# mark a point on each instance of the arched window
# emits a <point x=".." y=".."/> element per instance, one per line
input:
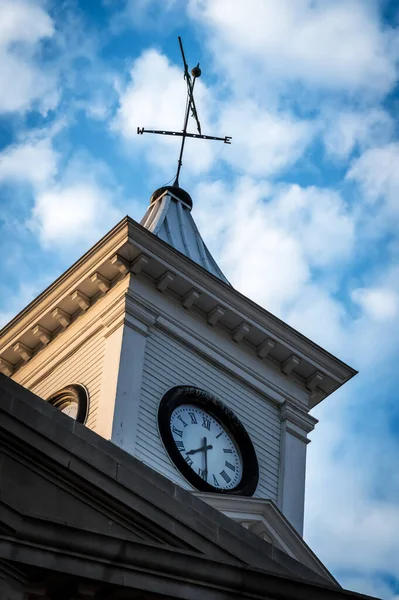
<point x="72" y="400"/>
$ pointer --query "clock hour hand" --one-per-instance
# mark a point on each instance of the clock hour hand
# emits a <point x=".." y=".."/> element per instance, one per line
<point x="203" y="448"/>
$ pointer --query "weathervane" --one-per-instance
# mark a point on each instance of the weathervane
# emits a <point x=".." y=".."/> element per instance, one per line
<point x="190" y="107"/>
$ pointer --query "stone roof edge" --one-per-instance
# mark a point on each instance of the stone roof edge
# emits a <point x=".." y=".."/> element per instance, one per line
<point x="102" y="466"/>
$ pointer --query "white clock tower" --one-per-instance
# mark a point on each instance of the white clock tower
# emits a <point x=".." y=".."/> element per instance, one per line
<point x="145" y="341"/>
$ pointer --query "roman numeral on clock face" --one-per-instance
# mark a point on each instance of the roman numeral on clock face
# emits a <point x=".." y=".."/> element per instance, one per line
<point x="206" y="423"/>
<point x="225" y="476"/>
<point x="230" y="466"/>
<point x="201" y="473"/>
<point x="215" y="481"/>
<point x="227" y="450"/>
<point x="177" y="431"/>
<point x="188" y="461"/>
<point x="193" y="418"/>
<point x="179" y="445"/>
<point x="181" y="419"/>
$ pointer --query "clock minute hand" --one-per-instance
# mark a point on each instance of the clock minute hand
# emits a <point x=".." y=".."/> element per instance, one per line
<point x="203" y="448"/>
<point x="206" y="459"/>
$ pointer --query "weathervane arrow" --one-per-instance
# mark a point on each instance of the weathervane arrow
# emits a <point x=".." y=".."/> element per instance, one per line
<point x="190" y="80"/>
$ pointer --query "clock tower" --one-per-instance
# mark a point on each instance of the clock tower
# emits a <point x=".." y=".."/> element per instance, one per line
<point x="145" y="341"/>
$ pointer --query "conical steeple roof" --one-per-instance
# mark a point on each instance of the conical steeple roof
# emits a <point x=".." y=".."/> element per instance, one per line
<point x="169" y="217"/>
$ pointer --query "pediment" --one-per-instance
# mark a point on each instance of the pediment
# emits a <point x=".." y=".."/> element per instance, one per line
<point x="264" y="519"/>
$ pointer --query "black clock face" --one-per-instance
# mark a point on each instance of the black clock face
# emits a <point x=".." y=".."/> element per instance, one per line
<point x="207" y="442"/>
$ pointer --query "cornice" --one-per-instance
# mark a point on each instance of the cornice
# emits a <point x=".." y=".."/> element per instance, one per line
<point x="102" y="317"/>
<point x="321" y="372"/>
<point x="73" y="275"/>
<point x="129" y="247"/>
<point x="293" y="414"/>
<point x="234" y="298"/>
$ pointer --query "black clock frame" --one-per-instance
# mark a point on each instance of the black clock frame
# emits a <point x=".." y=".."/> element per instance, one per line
<point x="179" y="395"/>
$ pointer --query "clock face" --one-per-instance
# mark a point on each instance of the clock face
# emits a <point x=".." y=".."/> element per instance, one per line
<point x="206" y="446"/>
<point x="207" y="443"/>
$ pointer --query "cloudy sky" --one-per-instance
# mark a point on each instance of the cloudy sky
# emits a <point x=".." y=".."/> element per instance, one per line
<point x="301" y="211"/>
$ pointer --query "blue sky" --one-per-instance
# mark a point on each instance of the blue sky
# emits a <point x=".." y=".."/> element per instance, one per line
<point x="301" y="211"/>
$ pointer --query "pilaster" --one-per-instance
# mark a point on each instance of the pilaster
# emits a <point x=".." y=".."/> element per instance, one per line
<point x="136" y="323"/>
<point x="295" y="425"/>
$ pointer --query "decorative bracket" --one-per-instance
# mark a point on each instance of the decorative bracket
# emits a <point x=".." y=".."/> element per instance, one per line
<point x="24" y="352"/>
<point x="6" y="367"/>
<point x="241" y="331"/>
<point x="190" y="298"/>
<point x="290" y="364"/>
<point x="81" y="300"/>
<point x="215" y="314"/>
<point x="140" y="262"/>
<point x="121" y="264"/>
<point x="101" y="282"/>
<point x="61" y="316"/>
<point x="42" y="333"/>
<point x="164" y="281"/>
<point x="314" y="380"/>
<point x="265" y="347"/>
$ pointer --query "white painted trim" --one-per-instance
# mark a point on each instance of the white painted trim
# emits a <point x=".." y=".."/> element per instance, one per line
<point x="128" y="391"/>
<point x="109" y="380"/>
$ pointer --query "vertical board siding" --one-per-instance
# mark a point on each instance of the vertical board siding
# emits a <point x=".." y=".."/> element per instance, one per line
<point x="169" y="363"/>
<point x="84" y="366"/>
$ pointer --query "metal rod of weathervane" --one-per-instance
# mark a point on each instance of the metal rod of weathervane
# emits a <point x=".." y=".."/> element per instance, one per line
<point x="190" y="107"/>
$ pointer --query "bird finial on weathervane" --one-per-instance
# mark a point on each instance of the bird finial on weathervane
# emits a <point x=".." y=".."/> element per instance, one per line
<point x="190" y="107"/>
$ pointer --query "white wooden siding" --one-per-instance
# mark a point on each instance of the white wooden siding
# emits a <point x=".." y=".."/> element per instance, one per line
<point x="169" y="363"/>
<point x="84" y="366"/>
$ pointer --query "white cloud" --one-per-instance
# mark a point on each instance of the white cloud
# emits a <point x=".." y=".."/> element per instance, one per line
<point x="23" y="81"/>
<point x="372" y="586"/>
<point x="335" y="45"/>
<point x="318" y="218"/>
<point x="34" y="161"/>
<point x="24" y="21"/>
<point x="271" y="237"/>
<point x="148" y="14"/>
<point x="264" y="142"/>
<point x="73" y="202"/>
<point x="155" y="98"/>
<point x="234" y="220"/>
<point x="381" y="304"/>
<point x="350" y="524"/>
<point x="377" y="174"/>
<point x="65" y="216"/>
<point x="344" y="130"/>
<point x="18" y="300"/>
<point x="320" y="316"/>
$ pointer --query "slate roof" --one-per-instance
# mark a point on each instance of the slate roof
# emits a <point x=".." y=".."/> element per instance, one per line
<point x="170" y="219"/>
